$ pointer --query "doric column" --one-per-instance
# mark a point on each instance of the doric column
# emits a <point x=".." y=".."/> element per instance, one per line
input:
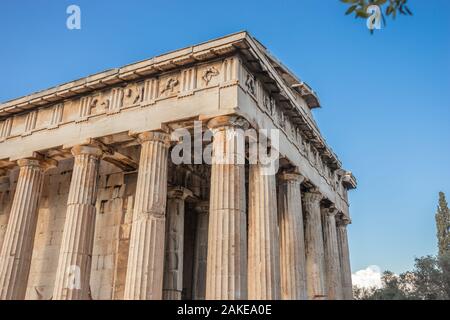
<point x="144" y="278"/>
<point x="226" y="277"/>
<point x="344" y="255"/>
<point x="15" y="256"/>
<point x="263" y="239"/>
<point x="292" y="243"/>
<point x="332" y="261"/>
<point x="315" y="259"/>
<point x="200" y="251"/>
<point x="5" y="204"/>
<point x="75" y="255"/>
<point x="173" y="266"/>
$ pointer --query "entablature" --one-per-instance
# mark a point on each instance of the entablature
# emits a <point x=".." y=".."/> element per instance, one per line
<point x="192" y="83"/>
<point x="281" y="83"/>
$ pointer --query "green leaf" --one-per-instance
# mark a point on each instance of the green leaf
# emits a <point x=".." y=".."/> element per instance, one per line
<point x="351" y="9"/>
<point x="408" y="11"/>
<point x="361" y="13"/>
<point x="389" y="10"/>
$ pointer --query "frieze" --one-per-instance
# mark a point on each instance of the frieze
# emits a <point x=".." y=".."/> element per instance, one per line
<point x="269" y="105"/>
<point x="170" y="86"/>
<point x="116" y="100"/>
<point x="230" y="70"/>
<point x="150" y="91"/>
<point x="5" y="128"/>
<point x="209" y="73"/>
<point x="250" y="84"/>
<point x="143" y="92"/>
<point x="188" y="82"/>
<point x="30" y="122"/>
<point x="56" y="116"/>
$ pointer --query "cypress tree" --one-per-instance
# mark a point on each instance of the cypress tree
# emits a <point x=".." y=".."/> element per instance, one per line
<point x="443" y="225"/>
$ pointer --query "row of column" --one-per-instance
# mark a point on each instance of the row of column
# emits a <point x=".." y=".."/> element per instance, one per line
<point x="283" y="258"/>
<point x="279" y="260"/>
<point x="72" y="277"/>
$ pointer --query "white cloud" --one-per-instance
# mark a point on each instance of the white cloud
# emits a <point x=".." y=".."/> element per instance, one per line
<point x="367" y="278"/>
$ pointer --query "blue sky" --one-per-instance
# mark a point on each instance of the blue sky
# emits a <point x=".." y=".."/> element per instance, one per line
<point x="385" y="97"/>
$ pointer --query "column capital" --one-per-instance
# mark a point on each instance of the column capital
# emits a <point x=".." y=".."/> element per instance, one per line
<point x="228" y="121"/>
<point x="179" y="193"/>
<point x="287" y="176"/>
<point x="156" y="136"/>
<point x="343" y="220"/>
<point x="312" y="196"/>
<point x="90" y="149"/>
<point x="331" y="211"/>
<point x="44" y="164"/>
<point x="202" y="207"/>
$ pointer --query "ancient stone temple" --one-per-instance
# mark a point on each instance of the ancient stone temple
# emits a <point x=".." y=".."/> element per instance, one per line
<point x="93" y="206"/>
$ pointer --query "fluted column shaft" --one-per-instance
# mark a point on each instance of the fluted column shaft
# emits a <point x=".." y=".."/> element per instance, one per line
<point x="332" y="261"/>
<point x="4" y="192"/>
<point x="17" y="248"/>
<point x="144" y="279"/>
<point x="315" y="258"/>
<point x="227" y="246"/>
<point x="292" y="243"/>
<point x="344" y="255"/>
<point x="263" y="238"/>
<point x="173" y="265"/>
<point x="200" y="251"/>
<point x="75" y="255"/>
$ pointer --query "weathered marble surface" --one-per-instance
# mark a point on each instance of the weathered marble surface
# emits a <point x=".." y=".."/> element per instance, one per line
<point x="99" y="218"/>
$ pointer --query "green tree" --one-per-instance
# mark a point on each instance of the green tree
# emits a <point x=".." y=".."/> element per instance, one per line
<point x="444" y="263"/>
<point x="392" y="288"/>
<point x="443" y="225"/>
<point x="360" y="293"/>
<point x="430" y="278"/>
